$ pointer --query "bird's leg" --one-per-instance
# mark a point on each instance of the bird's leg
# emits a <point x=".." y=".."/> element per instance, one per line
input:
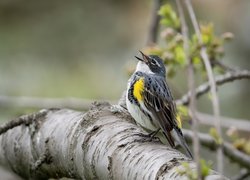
<point x="150" y="136"/>
<point x="153" y="134"/>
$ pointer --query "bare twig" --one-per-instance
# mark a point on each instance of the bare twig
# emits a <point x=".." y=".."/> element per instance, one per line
<point x="154" y="24"/>
<point x="220" y="80"/>
<point x="191" y="84"/>
<point x="44" y="158"/>
<point x="231" y="152"/>
<point x="211" y="80"/>
<point x="26" y="119"/>
<point x="223" y="66"/>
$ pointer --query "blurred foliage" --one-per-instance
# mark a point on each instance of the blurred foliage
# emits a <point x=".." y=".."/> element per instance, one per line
<point x="169" y="17"/>
<point x="191" y="173"/>
<point x="173" y="52"/>
<point x="243" y="145"/>
<point x="214" y="133"/>
<point x="240" y="143"/>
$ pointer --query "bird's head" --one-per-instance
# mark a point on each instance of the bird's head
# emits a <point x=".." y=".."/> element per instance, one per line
<point x="151" y="64"/>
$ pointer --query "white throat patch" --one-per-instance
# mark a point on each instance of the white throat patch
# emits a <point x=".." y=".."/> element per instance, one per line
<point x="143" y="67"/>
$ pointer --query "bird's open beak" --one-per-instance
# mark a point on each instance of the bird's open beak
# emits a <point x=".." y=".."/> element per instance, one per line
<point x="144" y="58"/>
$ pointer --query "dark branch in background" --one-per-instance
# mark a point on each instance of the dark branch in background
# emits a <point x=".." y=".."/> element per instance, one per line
<point x="154" y="24"/>
<point x="228" y="149"/>
<point x="84" y="104"/>
<point x="244" y="173"/>
<point x="36" y="102"/>
<point x="221" y="79"/>
<point x="191" y="86"/>
<point x="226" y="122"/>
<point x="29" y="102"/>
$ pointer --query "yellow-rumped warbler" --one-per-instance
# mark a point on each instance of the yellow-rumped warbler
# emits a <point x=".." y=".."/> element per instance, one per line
<point x="150" y="102"/>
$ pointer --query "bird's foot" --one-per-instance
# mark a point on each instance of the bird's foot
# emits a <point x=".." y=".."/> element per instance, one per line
<point x="153" y="134"/>
<point x="148" y="137"/>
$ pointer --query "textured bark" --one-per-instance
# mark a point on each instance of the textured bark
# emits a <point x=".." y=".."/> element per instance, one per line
<point x="103" y="143"/>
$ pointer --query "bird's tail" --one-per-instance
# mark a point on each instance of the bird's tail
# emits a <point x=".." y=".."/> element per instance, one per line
<point x="180" y="139"/>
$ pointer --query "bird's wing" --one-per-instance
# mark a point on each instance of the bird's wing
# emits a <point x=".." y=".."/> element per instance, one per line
<point x="159" y="101"/>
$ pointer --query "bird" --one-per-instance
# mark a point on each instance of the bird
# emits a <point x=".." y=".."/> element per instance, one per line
<point x="150" y="102"/>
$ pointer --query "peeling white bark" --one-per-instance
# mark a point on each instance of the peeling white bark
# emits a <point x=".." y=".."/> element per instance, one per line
<point x="103" y="143"/>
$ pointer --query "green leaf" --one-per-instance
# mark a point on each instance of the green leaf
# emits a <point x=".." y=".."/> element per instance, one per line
<point x="247" y="147"/>
<point x="196" y="60"/>
<point x="182" y="110"/>
<point x="169" y="17"/>
<point x="213" y="132"/>
<point x="180" y="55"/>
<point x="205" y="168"/>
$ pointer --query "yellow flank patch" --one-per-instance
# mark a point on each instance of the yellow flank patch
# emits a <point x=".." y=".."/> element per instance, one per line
<point x="138" y="89"/>
<point x="179" y="123"/>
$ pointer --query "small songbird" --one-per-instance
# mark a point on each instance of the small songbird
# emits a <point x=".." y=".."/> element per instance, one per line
<point x="150" y="102"/>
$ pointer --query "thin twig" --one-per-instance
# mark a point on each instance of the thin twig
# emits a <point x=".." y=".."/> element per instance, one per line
<point x="220" y="80"/>
<point x="26" y="120"/>
<point x="223" y="66"/>
<point x="215" y="100"/>
<point x="230" y="151"/>
<point x="44" y="158"/>
<point x="154" y="24"/>
<point x="191" y="84"/>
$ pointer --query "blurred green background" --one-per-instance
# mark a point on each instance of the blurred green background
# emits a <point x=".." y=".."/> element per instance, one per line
<point x="65" y="48"/>
<point x="61" y="48"/>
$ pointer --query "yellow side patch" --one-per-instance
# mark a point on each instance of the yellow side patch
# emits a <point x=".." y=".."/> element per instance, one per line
<point x="138" y="89"/>
<point x="179" y="123"/>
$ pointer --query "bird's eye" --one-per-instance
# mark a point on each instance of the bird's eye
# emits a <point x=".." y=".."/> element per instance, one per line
<point x="153" y="62"/>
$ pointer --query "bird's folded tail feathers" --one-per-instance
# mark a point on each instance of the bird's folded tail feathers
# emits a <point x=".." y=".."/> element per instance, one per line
<point x="169" y="138"/>
<point x="180" y="138"/>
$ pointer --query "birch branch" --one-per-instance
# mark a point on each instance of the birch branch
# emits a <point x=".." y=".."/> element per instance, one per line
<point x="103" y="143"/>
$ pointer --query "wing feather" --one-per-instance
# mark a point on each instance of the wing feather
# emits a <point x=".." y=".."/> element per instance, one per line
<point x="159" y="101"/>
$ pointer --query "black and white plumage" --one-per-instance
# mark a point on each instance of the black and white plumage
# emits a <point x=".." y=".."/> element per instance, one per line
<point x="150" y="102"/>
